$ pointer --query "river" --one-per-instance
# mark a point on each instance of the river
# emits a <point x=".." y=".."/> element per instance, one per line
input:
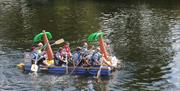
<point x="144" y="34"/>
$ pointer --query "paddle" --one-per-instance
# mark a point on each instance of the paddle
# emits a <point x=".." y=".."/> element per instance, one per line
<point x="66" y="64"/>
<point x="34" y="66"/>
<point x="58" y="42"/>
<point x="75" y="67"/>
<point x="99" y="71"/>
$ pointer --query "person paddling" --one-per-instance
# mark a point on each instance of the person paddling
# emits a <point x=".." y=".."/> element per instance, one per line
<point x="76" y="57"/>
<point x="68" y="50"/>
<point x="37" y="56"/>
<point x="39" y="47"/>
<point x="84" y="54"/>
<point x="60" y="56"/>
<point x="85" y="46"/>
<point x="95" y="58"/>
<point x="90" y="52"/>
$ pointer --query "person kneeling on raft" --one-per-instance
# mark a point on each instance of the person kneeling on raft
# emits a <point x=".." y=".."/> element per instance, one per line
<point x="76" y="57"/>
<point x="61" y="57"/>
<point x="37" y="56"/>
<point x="95" y="58"/>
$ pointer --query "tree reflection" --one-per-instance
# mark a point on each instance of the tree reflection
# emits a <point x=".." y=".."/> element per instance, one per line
<point x="142" y="37"/>
<point x="71" y="21"/>
<point x="140" y="33"/>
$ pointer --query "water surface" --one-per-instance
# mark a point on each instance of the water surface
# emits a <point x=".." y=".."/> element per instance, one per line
<point x="144" y="34"/>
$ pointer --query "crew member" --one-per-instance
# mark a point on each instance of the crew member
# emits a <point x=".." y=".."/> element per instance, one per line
<point x="95" y="58"/>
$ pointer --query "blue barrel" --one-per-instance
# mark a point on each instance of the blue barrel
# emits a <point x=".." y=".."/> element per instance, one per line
<point x="78" y="71"/>
<point x="57" y="70"/>
<point x="105" y="71"/>
<point x="27" y="68"/>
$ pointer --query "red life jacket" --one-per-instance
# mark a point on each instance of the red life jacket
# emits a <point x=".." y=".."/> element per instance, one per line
<point x="68" y="50"/>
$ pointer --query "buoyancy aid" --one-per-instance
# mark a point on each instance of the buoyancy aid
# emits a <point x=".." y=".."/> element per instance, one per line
<point x="76" y="57"/>
<point x="95" y="56"/>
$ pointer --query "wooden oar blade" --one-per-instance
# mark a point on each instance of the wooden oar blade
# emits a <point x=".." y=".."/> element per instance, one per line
<point x="59" y="41"/>
<point x="99" y="72"/>
<point x="34" y="68"/>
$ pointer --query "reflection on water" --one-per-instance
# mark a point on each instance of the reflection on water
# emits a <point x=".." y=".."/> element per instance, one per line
<point x="143" y="39"/>
<point x="144" y="34"/>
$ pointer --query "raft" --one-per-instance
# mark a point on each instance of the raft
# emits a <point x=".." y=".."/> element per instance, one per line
<point x="105" y="70"/>
<point x="94" y="70"/>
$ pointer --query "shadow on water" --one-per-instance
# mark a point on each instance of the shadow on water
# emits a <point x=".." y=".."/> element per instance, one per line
<point x="144" y="33"/>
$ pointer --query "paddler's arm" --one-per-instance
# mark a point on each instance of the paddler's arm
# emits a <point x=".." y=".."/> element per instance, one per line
<point x="105" y="62"/>
<point x="44" y="46"/>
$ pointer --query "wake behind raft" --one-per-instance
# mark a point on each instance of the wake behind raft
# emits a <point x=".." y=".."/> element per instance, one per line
<point x="98" y="70"/>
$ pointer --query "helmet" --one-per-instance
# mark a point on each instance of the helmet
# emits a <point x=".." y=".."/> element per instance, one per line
<point x="85" y="43"/>
<point x="67" y="43"/>
<point x="39" y="44"/>
<point x="78" y="48"/>
<point x="98" y="48"/>
<point x="60" y="48"/>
